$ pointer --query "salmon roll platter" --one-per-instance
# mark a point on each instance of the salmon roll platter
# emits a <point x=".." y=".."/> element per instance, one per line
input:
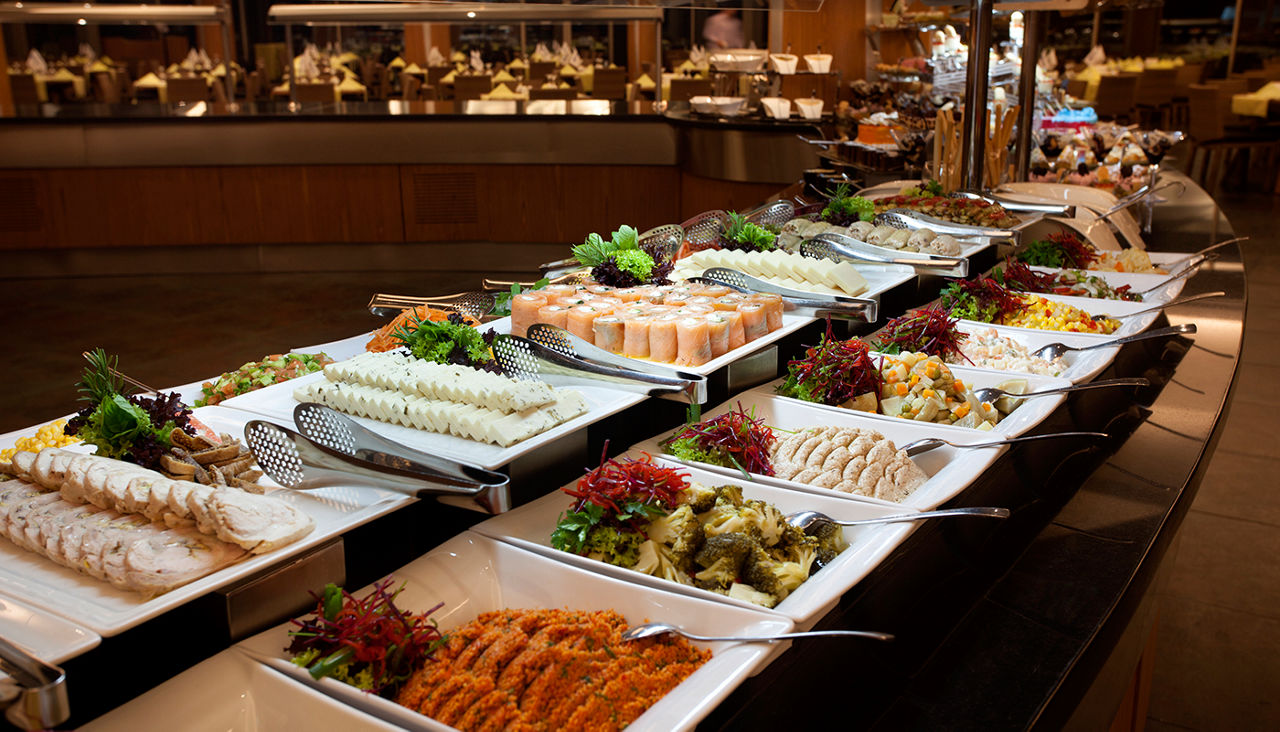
<point x="697" y="327"/>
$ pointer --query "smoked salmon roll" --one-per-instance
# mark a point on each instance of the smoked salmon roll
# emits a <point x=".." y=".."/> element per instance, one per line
<point x="556" y="315"/>
<point x="772" y="308"/>
<point x="690" y="309"/>
<point x="599" y="289"/>
<point x="580" y="319"/>
<point x="713" y="291"/>
<point x="524" y="311"/>
<point x="663" y="345"/>
<point x="609" y="333"/>
<point x="737" y="334"/>
<point x="730" y="301"/>
<point x="755" y="322"/>
<point x="718" y="332"/>
<point x="635" y="336"/>
<point x="693" y="341"/>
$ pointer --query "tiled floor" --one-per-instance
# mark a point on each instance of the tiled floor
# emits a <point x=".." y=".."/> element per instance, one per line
<point x="1218" y="653"/>
<point x="1218" y="649"/>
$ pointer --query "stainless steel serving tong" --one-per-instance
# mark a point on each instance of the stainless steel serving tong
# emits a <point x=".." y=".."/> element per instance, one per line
<point x="560" y="358"/>
<point x="35" y="694"/>
<point x="902" y="218"/>
<point x="665" y="240"/>
<point x="838" y="247"/>
<point x="773" y="213"/>
<point x="1048" y="209"/>
<point x="336" y="450"/>
<point x="798" y="302"/>
<point x="475" y="304"/>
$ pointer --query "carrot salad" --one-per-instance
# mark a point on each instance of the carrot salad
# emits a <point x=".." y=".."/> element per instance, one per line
<point x="547" y="670"/>
<point x="383" y="340"/>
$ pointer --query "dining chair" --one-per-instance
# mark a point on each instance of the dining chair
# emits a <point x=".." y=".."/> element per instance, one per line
<point x="471" y="87"/>
<point x="540" y="70"/>
<point x="315" y="93"/>
<point x="1077" y="88"/>
<point x="105" y="89"/>
<point x="610" y="84"/>
<point x="1225" y="146"/>
<point x="552" y="94"/>
<point x="1117" y="97"/>
<point x="410" y="88"/>
<point x="181" y="89"/>
<point x="682" y="90"/>
<point x="23" y="87"/>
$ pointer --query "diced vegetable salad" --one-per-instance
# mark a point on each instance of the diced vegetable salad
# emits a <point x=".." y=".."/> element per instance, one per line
<point x="257" y="374"/>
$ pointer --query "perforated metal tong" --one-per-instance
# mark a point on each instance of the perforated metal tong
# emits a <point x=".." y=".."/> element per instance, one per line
<point x="837" y="247"/>
<point x="334" y="449"/>
<point x="35" y="694"/>
<point x="797" y="302"/>
<point x="902" y="218"/>
<point x="560" y="358"/>
<point x="475" y="304"/>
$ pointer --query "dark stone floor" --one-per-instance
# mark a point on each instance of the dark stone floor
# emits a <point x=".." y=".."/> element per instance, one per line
<point x="1218" y="653"/>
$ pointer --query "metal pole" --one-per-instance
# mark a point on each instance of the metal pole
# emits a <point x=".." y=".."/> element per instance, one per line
<point x="227" y="59"/>
<point x="657" y="59"/>
<point x="290" y="68"/>
<point x="524" y="42"/>
<point x="611" y="60"/>
<point x="1034" y="21"/>
<point x="973" y="149"/>
<point x="1235" y="38"/>
<point x="244" y="36"/>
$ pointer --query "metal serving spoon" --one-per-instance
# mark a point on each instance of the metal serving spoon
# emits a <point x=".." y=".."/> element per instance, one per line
<point x="1053" y="350"/>
<point x="1157" y="308"/>
<point x="648" y="630"/>
<point x="991" y="393"/>
<point x="1187" y="272"/>
<point x="928" y="443"/>
<point x="807" y="521"/>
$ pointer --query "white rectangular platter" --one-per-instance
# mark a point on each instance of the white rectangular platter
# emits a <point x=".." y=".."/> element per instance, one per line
<point x="338" y="350"/>
<point x="472" y="574"/>
<point x="530" y="526"/>
<point x="1029" y="414"/>
<point x="276" y="403"/>
<point x="950" y="470"/>
<point x="232" y="692"/>
<point x="106" y="610"/>
<point x="1081" y="365"/>
<point x="47" y="637"/>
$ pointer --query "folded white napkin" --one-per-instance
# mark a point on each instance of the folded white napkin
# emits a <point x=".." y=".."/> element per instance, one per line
<point x="477" y="63"/>
<point x="205" y="61"/>
<point x="36" y="63"/>
<point x="1095" y="57"/>
<point x="87" y="51"/>
<point x="435" y="58"/>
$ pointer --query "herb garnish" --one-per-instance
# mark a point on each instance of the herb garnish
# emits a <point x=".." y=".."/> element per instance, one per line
<point x="844" y="209"/>
<point x="736" y="439"/>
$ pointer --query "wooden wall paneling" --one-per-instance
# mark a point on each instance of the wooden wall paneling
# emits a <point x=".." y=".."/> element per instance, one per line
<point x="838" y="26"/>
<point x="107" y="207"/>
<point x="698" y="194"/>
<point x="525" y="203"/>
<point x="313" y="204"/>
<point x="441" y="203"/>
<point x="6" y="94"/>
<point x="601" y="198"/>
<point x="28" y="210"/>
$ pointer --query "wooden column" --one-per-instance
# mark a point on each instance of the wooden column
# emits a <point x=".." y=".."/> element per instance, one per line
<point x="209" y="37"/>
<point x="420" y="37"/>
<point x="640" y="48"/>
<point x="837" y="27"/>
<point x="6" y="93"/>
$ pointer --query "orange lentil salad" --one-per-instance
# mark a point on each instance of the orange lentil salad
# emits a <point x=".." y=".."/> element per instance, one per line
<point x="547" y="670"/>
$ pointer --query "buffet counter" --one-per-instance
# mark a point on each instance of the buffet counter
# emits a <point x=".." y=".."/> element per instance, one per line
<point x="110" y="176"/>
<point x="1037" y="621"/>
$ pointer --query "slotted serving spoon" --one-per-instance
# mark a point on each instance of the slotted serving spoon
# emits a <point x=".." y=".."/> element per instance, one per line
<point x="809" y="521"/>
<point x="991" y="393"/>
<point x="664" y="240"/>
<point x="929" y="443"/>
<point x="649" y="630"/>
<point x="301" y="463"/>
<point x="1053" y="350"/>
<point x="774" y="213"/>
<point x="1157" y="308"/>
<point x="811" y="304"/>
<point x="838" y="247"/>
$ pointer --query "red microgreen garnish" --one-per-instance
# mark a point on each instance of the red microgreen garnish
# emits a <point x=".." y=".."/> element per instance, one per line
<point x="367" y="642"/>
<point x="1075" y="253"/>
<point x="930" y="330"/>
<point x="1019" y="276"/>
<point x="622" y="482"/>
<point x="981" y="299"/>
<point x="832" y="372"/>
<point x="735" y="439"/>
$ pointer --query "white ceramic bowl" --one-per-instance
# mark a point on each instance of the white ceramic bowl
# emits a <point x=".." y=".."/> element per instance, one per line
<point x="739" y="59"/>
<point x="810" y="108"/>
<point x="729" y="106"/>
<point x="702" y="104"/>
<point x="784" y="63"/>
<point x="777" y="107"/>
<point x="819" y="63"/>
